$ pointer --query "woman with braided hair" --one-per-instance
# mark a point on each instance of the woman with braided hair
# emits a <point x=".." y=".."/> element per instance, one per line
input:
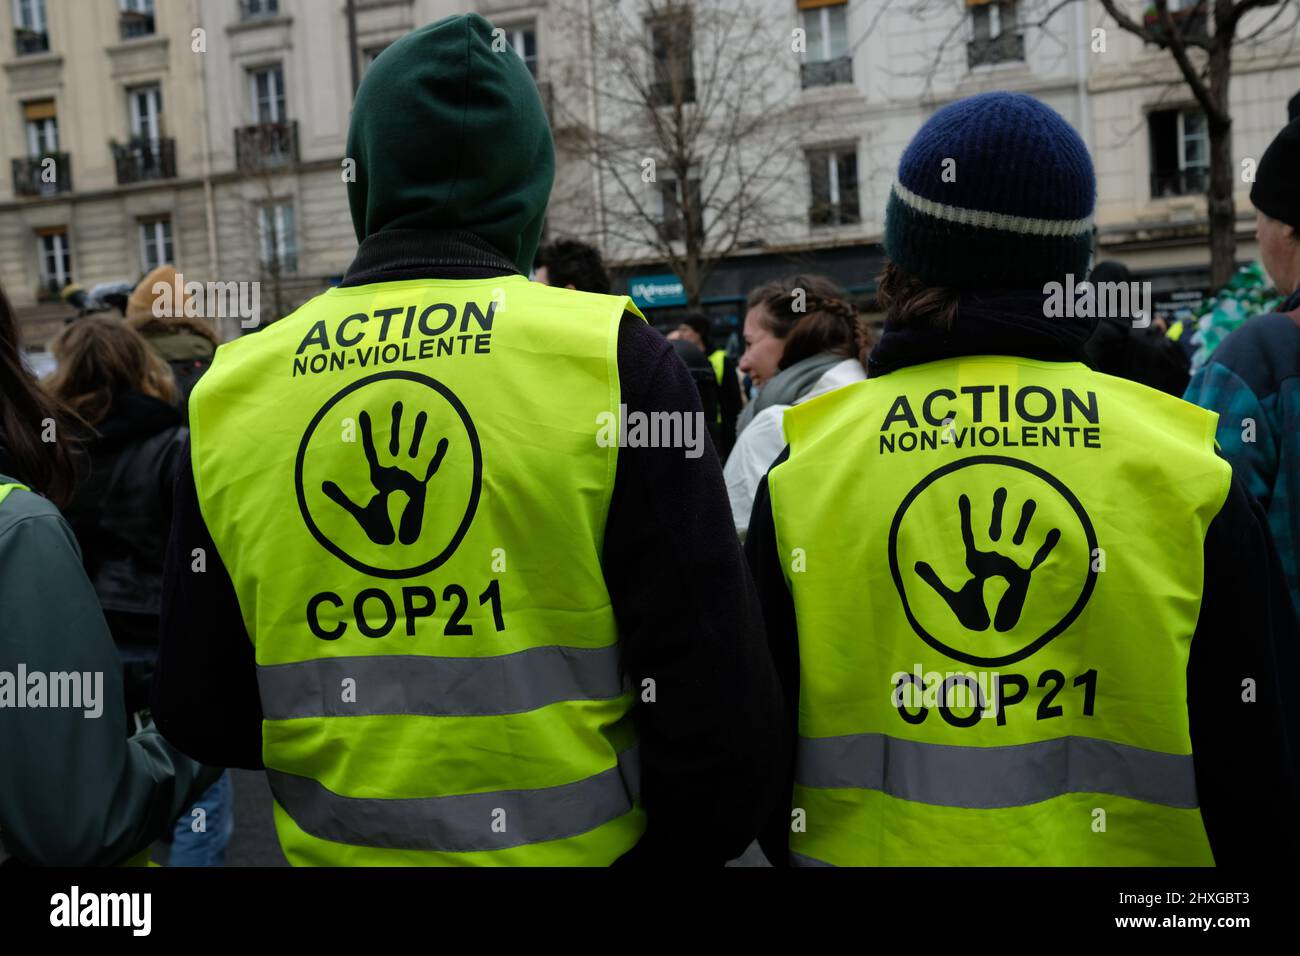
<point x="803" y="338"/>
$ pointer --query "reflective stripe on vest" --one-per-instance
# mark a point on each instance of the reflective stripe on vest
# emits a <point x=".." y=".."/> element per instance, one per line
<point x="996" y="567"/>
<point x="456" y="824"/>
<point x="440" y="686"/>
<point x="981" y="778"/>
<point x="408" y="484"/>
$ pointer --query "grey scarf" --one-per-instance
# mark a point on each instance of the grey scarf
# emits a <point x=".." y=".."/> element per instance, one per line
<point x="789" y="385"/>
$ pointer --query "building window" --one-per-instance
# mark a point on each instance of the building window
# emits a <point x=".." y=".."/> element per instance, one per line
<point x="46" y="170"/>
<point x="155" y="243"/>
<point x="672" y="50"/>
<point x="524" y="41"/>
<point x="833" y="177"/>
<point x="136" y="18"/>
<point x="31" y="34"/>
<point x="267" y="86"/>
<point x="1180" y="152"/>
<point x="1189" y="17"/>
<point x="144" y="104"/>
<point x="995" y="33"/>
<point x="251" y="9"/>
<point x="148" y="155"/>
<point x="275" y="226"/>
<point x="42" y="128"/>
<point x="55" y="253"/>
<point x="826" y="31"/>
<point x="672" y="216"/>
<point x="272" y="139"/>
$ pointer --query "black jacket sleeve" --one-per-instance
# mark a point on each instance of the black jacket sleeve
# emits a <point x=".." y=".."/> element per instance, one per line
<point x="689" y="621"/>
<point x="1247" y="761"/>
<point x="205" y="698"/>
<point x="783" y="643"/>
<point x="1245" y="752"/>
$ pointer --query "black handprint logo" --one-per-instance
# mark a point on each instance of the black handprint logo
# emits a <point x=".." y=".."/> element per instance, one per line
<point x="386" y="479"/>
<point x="968" y="602"/>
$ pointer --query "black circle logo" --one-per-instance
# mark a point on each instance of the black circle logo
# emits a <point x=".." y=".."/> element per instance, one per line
<point x="389" y="473"/>
<point x="992" y="557"/>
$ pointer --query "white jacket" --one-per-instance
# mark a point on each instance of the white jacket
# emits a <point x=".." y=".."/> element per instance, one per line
<point x="762" y="440"/>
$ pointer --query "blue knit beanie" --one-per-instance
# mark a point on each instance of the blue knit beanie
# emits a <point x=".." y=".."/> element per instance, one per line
<point x="995" y="192"/>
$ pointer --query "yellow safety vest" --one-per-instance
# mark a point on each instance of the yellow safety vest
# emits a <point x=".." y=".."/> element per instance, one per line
<point x="8" y="487"/>
<point x="718" y="359"/>
<point x="408" y="487"/>
<point x="996" y="566"/>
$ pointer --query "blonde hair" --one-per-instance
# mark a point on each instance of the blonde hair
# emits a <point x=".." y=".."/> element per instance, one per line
<point x="99" y="357"/>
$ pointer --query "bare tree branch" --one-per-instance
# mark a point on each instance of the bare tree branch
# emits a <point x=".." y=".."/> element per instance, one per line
<point x="1216" y="112"/>
<point x="1243" y="7"/>
<point x="696" y="118"/>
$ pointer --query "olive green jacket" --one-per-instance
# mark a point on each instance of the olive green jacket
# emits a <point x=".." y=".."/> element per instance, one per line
<point x="75" y="789"/>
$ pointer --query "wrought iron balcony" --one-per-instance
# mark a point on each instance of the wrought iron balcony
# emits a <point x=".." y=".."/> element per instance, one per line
<point x="826" y="72"/>
<point x="35" y="176"/>
<point x="265" y="146"/>
<point x="50" y="288"/>
<point x="141" y="160"/>
<point x="135" y="24"/>
<point x="1006" y="48"/>
<point x="31" y="41"/>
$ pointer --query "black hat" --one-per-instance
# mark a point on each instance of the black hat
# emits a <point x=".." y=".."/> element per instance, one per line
<point x="1293" y="109"/>
<point x="1276" y="192"/>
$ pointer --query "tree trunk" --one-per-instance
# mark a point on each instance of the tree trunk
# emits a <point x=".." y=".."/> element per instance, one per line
<point x="691" y="284"/>
<point x="1223" y="172"/>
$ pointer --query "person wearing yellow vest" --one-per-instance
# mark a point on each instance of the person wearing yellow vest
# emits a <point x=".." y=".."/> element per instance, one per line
<point x="1023" y="613"/>
<point x="413" y="574"/>
<point x="75" y="788"/>
<point x="696" y="324"/>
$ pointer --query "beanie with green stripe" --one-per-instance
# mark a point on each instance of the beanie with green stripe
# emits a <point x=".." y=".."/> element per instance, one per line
<point x="996" y="191"/>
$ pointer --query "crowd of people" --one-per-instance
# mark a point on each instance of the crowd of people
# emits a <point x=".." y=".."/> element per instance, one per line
<point x="636" y="656"/>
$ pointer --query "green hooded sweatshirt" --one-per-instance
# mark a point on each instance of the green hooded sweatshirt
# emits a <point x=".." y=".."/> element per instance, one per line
<point x="448" y="132"/>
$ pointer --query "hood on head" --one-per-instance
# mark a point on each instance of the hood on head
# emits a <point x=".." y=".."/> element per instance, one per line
<point x="449" y="132"/>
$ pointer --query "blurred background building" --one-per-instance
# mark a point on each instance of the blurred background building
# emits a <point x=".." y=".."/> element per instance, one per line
<point x="701" y="151"/>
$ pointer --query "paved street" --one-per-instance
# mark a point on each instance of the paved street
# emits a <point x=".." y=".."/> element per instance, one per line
<point x="254" y="842"/>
